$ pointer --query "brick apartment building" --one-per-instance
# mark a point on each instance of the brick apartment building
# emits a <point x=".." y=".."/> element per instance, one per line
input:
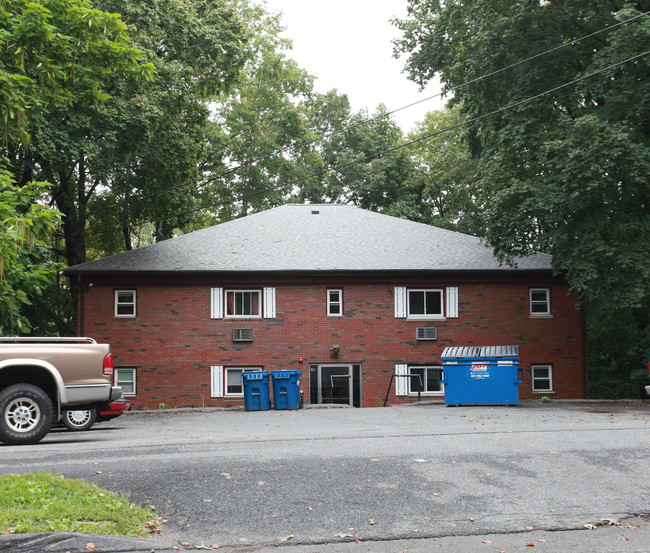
<point x="347" y="296"/>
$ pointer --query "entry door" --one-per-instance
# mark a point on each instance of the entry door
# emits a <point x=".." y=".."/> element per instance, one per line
<point x="335" y="384"/>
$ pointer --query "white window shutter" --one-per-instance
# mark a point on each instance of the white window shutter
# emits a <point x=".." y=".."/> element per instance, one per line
<point x="216" y="303"/>
<point x="401" y="382"/>
<point x="400" y="302"/>
<point x="269" y="303"/>
<point x="452" y="302"/>
<point x="216" y="381"/>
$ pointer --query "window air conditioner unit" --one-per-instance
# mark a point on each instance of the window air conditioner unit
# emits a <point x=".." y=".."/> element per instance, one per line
<point x="242" y="335"/>
<point x="426" y="333"/>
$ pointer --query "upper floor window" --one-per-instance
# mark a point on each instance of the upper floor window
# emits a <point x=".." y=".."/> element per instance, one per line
<point x="335" y="302"/>
<point x="242" y="303"/>
<point x="125" y="303"/>
<point x="425" y="303"/>
<point x="540" y="301"/>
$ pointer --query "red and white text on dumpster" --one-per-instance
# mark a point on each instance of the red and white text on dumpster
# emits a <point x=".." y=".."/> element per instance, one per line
<point x="480" y="370"/>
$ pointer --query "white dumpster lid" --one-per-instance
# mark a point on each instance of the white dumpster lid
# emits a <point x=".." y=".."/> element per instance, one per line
<point x="481" y="351"/>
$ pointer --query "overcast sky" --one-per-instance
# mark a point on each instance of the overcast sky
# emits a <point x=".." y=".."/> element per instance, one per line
<point x="347" y="45"/>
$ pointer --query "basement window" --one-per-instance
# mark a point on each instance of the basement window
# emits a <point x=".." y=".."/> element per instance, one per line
<point x="542" y="378"/>
<point x="125" y="379"/>
<point x="234" y="381"/>
<point x="429" y="381"/>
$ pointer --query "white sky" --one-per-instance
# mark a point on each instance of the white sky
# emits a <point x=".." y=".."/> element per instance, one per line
<point x="347" y="45"/>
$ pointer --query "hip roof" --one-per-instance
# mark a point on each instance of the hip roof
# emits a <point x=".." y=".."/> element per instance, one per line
<point x="298" y="237"/>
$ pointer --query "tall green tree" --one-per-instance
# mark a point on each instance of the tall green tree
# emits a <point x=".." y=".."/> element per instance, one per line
<point x="54" y="52"/>
<point x="198" y="49"/>
<point x="26" y="265"/>
<point x="443" y="183"/>
<point x="133" y="156"/>
<point x="260" y="123"/>
<point x="566" y="173"/>
<point x="51" y="54"/>
<point x="357" y="158"/>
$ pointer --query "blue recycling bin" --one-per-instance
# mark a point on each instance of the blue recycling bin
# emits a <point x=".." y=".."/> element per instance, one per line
<point x="481" y="375"/>
<point x="256" y="390"/>
<point x="286" y="389"/>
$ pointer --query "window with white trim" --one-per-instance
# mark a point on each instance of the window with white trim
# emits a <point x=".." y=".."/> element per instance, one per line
<point x="234" y="384"/>
<point x="334" y="302"/>
<point x="228" y="381"/>
<point x="540" y="301"/>
<point x="241" y="304"/>
<point x="542" y="376"/>
<point x="428" y="381"/>
<point x="125" y="379"/>
<point x="125" y="303"/>
<point x="425" y="303"/>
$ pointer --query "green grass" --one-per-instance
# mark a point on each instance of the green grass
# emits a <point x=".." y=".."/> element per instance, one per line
<point x="44" y="502"/>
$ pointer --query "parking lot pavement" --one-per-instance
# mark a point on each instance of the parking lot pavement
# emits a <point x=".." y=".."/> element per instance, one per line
<point x="403" y="479"/>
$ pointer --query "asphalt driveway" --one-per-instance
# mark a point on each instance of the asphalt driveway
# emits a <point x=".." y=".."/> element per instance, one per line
<point x="389" y="478"/>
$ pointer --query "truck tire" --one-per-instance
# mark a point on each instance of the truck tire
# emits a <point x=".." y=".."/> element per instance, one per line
<point x="26" y="414"/>
<point x="79" y="419"/>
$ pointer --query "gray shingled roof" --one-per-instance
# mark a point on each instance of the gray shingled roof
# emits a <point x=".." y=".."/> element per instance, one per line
<point x="313" y="238"/>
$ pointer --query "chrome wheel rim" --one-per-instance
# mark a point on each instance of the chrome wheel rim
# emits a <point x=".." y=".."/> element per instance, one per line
<point x="78" y="418"/>
<point x="22" y="415"/>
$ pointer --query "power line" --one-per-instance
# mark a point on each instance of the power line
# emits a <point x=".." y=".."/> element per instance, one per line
<point x="404" y="145"/>
<point x="205" y="182"/>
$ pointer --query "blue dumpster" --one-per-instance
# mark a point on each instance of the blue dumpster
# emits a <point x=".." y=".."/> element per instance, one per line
<point x="286" y="389"/>
<point x="256" y="390"/>
<point x="481" y="375"/>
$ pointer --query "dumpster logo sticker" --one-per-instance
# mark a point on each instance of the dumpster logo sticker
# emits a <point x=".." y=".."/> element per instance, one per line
<point x="480" y="371"/>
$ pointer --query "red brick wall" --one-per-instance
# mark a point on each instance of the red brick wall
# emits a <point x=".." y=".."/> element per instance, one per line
<point x="173" y="341"/>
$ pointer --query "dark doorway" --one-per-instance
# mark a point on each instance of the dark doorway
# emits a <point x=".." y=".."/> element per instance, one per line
<point x="335" y="384"/>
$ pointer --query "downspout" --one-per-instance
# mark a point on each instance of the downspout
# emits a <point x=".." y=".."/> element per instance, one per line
<point x="80" y="307"/>
<point x="585" y="350"/>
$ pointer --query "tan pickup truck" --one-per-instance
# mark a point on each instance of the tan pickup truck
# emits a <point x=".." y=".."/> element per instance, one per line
<point x="42" y="377"/>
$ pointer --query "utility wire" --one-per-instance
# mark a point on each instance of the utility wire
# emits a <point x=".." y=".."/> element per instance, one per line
<point x="404" y="145"/>
<point x="205" y="182"/>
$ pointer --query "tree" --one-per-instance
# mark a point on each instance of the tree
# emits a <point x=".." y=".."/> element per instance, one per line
<point x="55" y="52"/>
<point x="444" y="180"/>
<point x="137" y="149"/>
<point x="25" y="263"/>
<point x="358" y="162"/>
<point x="567" y="173"/>
<point x="260" y="119"/>
<point x="47" y="49"/>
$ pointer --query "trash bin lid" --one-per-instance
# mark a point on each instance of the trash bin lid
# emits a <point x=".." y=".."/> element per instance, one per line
<point x="480" y="351"/>
<point x="285" y="374"/>
<point x="254" y="375"/>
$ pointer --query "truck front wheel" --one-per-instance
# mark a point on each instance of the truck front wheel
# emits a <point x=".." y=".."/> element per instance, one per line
<point x="26" y="414"/>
